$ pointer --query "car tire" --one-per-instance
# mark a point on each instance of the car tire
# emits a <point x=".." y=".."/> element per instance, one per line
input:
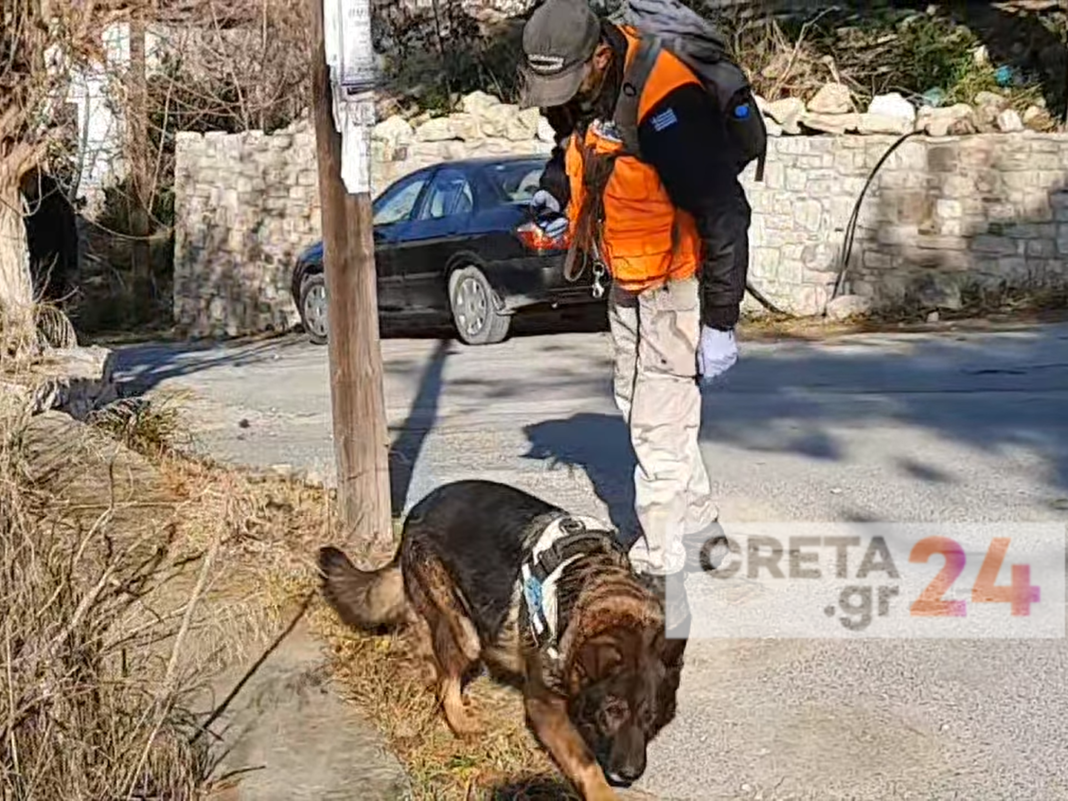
<point x="476" y="309"/>
<point x="313" y="308"/>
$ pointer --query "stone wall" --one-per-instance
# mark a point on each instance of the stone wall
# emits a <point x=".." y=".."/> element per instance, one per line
<point x="247" y="204"/>
<point x="941" y="216"/>
<point x="976" y="199"/>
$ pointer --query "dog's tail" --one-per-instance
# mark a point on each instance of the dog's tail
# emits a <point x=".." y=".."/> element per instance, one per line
<point x="365" y="600"/>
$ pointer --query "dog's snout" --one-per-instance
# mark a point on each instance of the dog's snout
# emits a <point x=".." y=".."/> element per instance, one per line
<point x="625" y="775"/>
<point x="627" y="770"/>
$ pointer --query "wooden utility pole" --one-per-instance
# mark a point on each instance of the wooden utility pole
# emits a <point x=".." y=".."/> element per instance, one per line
<point x="361" y="439"/>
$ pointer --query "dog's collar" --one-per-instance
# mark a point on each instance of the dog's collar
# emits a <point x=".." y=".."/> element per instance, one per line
<point x="561" y="542"/>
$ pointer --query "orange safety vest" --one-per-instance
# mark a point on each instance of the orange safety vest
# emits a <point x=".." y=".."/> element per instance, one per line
<point x="644" y="239"/>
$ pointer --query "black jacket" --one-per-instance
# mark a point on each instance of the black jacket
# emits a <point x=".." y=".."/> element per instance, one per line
<point x="690" y="154"/>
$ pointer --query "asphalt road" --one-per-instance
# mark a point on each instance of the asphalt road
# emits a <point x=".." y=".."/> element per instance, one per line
<point x="920" y="428"/>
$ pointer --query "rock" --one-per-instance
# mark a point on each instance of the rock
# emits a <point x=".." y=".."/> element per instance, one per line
<point x="773" y="128"/>
<point x="466" y="127"/>
<point x="497" y="120"/>
<point x="988" y="106"/>
<point x="1037" y="118"/>
<point x="871" y="123"/>
<point x="523" y="126"/>
<point x="846" y="306"/>
<point x="893" y="105"/>
<point x="831" y="123"/>
<point x="1009" y="121"/>
<point x="832" y="98"/>
<point x="395" y="130"/>
<point x="1000" y="102"/>
<point x="787" y="112"/>
<point x="436" y="129"/>
<point x="939" y="292"/>
<point x="955" y="120"/>
<point x="477" y="102"/>
<point x="74" y="381"/>
<point x="545" y="132"/>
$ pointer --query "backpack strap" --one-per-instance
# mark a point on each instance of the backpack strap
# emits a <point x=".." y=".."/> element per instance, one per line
<point x="637" y="73"/>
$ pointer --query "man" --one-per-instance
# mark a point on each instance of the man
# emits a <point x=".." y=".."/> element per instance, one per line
<point x="671" y="230"/>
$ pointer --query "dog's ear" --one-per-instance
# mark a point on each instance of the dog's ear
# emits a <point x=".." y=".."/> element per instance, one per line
<point x="672" y="651"/>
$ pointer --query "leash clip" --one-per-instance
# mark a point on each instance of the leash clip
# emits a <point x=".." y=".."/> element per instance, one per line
<point x="598" y="273"/>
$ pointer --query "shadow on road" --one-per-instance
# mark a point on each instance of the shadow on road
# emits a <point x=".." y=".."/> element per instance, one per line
<point x="406" y="448"/>
<point x="1000" y="400"/>
<point x="150" y="364"/>
<point x="599" y="445"/>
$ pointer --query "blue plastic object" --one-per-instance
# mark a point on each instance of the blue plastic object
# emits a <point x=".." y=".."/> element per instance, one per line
<point x="742" y="111"/>
<point x="934" y="97"/>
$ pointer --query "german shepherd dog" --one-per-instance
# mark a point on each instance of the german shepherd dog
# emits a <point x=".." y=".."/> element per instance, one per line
<point x="597" y="688"/>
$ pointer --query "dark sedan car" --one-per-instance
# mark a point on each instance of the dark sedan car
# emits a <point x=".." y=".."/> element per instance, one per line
<point x="456" y="242"/>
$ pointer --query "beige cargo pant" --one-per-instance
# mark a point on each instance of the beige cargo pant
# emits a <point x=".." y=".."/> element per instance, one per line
<point x="655" y="335"/>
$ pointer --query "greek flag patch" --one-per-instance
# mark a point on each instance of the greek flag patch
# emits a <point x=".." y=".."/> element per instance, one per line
<point x="665" y="119"/>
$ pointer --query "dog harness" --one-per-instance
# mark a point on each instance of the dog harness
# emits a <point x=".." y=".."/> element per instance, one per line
<point x="563" y="541"/>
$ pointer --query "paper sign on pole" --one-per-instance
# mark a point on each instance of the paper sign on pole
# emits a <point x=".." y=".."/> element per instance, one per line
<point x="351" y="59"/>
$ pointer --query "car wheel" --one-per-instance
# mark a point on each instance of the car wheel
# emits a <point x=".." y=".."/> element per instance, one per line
<point x="313" y="308"/>
<point x="475" y="308"/>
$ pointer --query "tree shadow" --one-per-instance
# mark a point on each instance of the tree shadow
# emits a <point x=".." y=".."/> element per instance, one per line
<point x="143" y="367"/>
<point x="405" y="450"/>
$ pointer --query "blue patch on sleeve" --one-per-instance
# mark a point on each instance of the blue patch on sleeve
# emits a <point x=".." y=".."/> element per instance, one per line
<point x="665" y="119"/>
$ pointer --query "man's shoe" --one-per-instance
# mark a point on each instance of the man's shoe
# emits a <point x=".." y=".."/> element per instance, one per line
<point x="712" y="543"/>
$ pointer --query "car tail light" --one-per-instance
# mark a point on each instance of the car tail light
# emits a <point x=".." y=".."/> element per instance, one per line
<point x="534" y="238"/>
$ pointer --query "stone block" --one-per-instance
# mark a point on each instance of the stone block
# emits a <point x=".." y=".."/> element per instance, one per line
<point x="1041" y="248"/>
<point x="996" y="245"/>
<point x="846" y="306"/>
<point x="790" y="272"/>
<point x="809" y="214"/>
<point x="877" y="260"/>
<point x="765" y="262"/>
<point x="831" y="98"/>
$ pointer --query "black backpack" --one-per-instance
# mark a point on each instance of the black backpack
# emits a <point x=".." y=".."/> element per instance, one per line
<point x="671" y="26"/>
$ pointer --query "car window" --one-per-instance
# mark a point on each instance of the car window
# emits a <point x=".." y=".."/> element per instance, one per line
<point x="517" y="181"/>
<point x="399" y="202"/>
<point x="449" y="195"/>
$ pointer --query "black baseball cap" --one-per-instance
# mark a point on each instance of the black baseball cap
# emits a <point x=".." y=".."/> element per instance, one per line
<point x="558" y="40"/>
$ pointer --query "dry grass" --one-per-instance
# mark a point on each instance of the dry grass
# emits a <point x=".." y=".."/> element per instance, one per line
<point x="133" y="577"/>
<point x="92" y="701"/>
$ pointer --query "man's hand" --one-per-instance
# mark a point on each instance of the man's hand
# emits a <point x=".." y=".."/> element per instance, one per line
<point x="546" y="211"/>
<point x="716" y="353"/>
<point x="543" y="203"/>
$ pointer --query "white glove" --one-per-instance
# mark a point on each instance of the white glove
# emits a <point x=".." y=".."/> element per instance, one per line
<point x="543" y="204"/>
<point x="716" y="353"/>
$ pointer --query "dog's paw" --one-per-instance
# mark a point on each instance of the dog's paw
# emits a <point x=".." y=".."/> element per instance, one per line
<point x="467" y="726"/>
